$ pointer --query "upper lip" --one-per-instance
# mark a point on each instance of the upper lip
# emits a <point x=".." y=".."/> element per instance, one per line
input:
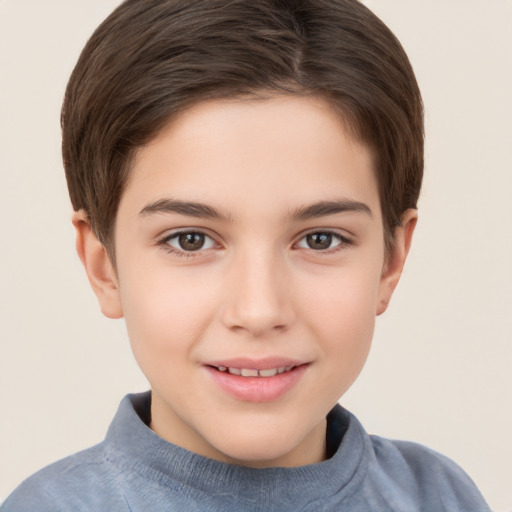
<point x="266" y="363"/>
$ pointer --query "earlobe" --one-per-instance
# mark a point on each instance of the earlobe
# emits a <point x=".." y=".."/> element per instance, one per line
<point x="396" y="259"/>
<point x="98" y="266"/>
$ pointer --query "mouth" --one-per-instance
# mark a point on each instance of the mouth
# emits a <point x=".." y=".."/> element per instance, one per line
<point x="253" y="372"/>
<point x="257" y="381"/>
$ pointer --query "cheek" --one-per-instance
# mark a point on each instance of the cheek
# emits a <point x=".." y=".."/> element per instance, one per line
<point x="341" y="311"/>
<point x="165" y="313"/>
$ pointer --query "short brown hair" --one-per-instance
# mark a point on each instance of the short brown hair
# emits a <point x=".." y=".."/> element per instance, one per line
<point x="153" y="58"/>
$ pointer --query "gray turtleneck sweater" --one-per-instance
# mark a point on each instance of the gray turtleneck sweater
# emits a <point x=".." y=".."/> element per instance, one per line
<point x="134" y="470"/>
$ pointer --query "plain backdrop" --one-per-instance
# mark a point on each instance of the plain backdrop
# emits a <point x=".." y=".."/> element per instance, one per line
<point x="440" y="369"/>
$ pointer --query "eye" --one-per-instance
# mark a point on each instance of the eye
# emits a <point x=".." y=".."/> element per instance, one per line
<point x="322" y="241"/>
<point x="189" y="241"/>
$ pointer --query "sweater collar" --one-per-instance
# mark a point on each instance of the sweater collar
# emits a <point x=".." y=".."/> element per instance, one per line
<point x="135" y="447"/>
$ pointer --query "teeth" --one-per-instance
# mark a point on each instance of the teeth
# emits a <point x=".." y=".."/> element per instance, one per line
<point x="251" y="372"/>
<point x="268" y="373"/>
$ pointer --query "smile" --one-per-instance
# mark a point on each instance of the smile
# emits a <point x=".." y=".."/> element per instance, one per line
<point x="271" y="380"/>
<point x="252" y="372"/>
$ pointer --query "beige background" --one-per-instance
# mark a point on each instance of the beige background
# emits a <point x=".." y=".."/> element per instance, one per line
<point x="440" y="370"/>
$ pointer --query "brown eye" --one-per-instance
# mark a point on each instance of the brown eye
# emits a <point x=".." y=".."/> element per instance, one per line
<point x="319" y="241"/>
<point x="189" y="241"/>
<point x="323" y="241"/>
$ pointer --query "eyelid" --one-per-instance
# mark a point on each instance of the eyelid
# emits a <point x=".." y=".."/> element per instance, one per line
<point x="175" y="233"/>
<point x="345" y="240"/>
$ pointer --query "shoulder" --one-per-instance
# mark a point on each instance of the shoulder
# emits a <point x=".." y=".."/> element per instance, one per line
<point x="72" y="483"/>
<point x="430" y="476"/>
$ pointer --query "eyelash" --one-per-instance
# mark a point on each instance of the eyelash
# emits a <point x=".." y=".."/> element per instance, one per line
<point x="175" y="235"/>
<point x="344" y="242"/>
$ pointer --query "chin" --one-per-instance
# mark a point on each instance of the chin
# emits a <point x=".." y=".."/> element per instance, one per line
<point x="261" y="447"/>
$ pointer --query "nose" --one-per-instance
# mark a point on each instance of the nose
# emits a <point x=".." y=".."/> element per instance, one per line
<point x="259" y="301"/>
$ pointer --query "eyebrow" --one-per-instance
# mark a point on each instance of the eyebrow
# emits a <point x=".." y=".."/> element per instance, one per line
<point x="204" y="211"/>
<point x="324" y="208"/>
<point x="189" y="208"/>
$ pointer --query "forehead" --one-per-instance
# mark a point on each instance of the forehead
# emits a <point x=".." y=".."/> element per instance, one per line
<point x="272" y="152"/>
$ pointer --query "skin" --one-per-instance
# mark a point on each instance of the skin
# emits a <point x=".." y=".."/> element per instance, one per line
<point x="257" y="288"/>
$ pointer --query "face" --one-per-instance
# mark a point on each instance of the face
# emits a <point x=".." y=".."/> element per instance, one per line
<point x="250" y="268"/>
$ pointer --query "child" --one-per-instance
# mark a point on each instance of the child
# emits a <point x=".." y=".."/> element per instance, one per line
<point x="244" y="177"/>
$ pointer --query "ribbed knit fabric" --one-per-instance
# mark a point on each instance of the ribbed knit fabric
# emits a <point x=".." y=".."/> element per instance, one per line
<point x="134" y="470"/>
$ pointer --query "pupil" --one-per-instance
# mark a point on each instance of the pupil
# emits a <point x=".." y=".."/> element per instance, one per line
<point x="191" y="241"/>
<point x="319" y="240"/>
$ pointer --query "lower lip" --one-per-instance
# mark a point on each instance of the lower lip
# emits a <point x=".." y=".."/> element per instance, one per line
<point x="257" y="389"/>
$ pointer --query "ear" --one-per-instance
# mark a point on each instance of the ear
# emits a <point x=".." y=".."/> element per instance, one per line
<point x="395" y="261"/>
<point x="98" y="266"/>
